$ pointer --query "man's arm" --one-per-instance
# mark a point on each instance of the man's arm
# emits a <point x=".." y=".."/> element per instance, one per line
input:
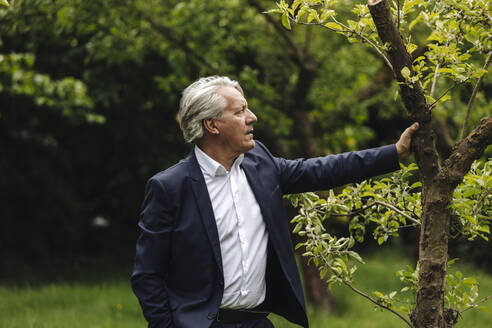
<point x="152" y="256"/>
<point x="326" y="172"/>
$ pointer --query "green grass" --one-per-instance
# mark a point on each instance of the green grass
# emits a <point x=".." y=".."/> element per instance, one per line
<point x="111" y="304"/>
<point x="352" y="310"/>
<point x="104" y="305"/>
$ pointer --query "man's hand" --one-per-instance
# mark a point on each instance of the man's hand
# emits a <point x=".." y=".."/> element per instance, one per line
<point x="403" y="145"/>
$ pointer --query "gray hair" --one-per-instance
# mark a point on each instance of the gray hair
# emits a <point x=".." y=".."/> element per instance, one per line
<point x="201" y="101"/>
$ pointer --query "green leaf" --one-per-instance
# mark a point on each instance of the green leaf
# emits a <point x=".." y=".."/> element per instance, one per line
<point x="285" y="20"/>
<point x="296" y="4"/>
<point x="452" y="261"/>
<point x="395" y="95"/>
<point x="333" y="26"/>
<point x="405" y="72"/>
<point x="313" y="15"/>
<point x="327" y="13"/>
<point x="411" y="47"/>
<point x="271" y="11"/>
<point x="470" y="192"/>
<point x="469" y="281"/>
<point x="378" y="294"/>
<point x="355" y="256"/>
<point x="4" y="2"/>
<point x="484" y="228"/>
<point x="415" y="21"/>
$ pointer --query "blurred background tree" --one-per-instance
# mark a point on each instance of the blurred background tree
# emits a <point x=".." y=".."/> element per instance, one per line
<point x="89" y="91"/>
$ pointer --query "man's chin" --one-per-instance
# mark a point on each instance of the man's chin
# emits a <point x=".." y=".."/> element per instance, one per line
<point x="248" y="146"/>
<point x="252" y="144"/>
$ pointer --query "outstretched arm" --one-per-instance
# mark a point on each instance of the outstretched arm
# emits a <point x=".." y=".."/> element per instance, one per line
<point x="326" y="172"/>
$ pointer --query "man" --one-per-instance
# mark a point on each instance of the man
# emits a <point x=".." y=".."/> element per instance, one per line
<point x="215" y="248"/>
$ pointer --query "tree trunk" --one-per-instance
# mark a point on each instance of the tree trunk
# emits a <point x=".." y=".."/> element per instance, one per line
<point x="317" y="292"/>
<point x="438" y="182"/>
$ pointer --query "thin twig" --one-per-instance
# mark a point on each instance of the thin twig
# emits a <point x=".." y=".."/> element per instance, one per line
<point x="443" y="94"/>
<point x="377" y="303"/>
<point x="398" y="211"/>
<point x="398" y="15"/>
<point x="347" y="29"/>
<point x="348" y="284"/>
<point x="474" y="305"/>
<point x="434" y="80"/>
<point x="368" y="41"/>
<point x="371" y="205"/>
<point x="464" y="130"/>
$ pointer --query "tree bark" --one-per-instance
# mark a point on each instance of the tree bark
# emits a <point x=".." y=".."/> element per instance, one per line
<point x="438" y="182"/>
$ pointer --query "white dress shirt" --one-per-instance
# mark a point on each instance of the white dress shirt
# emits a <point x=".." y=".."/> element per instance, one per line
<point x="242" y="233"/>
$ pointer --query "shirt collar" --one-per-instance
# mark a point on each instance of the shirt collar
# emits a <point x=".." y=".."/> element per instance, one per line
<point x="210" y="166"/>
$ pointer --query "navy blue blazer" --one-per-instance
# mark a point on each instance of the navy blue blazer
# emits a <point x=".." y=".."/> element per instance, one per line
<point x="178" y="275"/>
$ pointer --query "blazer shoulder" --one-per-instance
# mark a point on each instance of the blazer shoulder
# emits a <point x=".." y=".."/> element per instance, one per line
<point x="262" y="158"/>
<point x="260" y="150"/>
<point x="172" y="175"/>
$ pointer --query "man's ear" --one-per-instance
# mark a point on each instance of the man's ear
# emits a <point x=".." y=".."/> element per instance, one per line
<point x="210" y="127"/>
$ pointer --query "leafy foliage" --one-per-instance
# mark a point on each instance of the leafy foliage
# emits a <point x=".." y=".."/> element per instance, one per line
<point x="384" y="207"/>
<point x="447" y="39"/>
<point x="68" y="95"/>
<point x="472" y="205"/>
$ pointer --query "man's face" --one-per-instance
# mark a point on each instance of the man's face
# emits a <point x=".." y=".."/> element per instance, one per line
<point x="235" y="126"/>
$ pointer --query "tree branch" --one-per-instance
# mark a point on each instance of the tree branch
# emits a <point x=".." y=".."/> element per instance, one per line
<point x="474" y="305"/>
<point x="442" y="95"/>
<point x="180" y="42"/>
<point x="465" y="152"/>
<point x="434" y="80"/>
<point x="464" y="130"/>
<point x="362" y="209"/>
<point x="296" y="53"/>
<point x="346" y="282"/>
<point x="386" y="60"/>
<point x="397" y="210"/>
<point x="377" y="303"/>
<point x="412" y="93"/>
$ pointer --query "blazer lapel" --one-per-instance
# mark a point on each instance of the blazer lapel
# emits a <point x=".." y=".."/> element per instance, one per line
<point x="262" y="195"/>
<point x="205" y="207"/>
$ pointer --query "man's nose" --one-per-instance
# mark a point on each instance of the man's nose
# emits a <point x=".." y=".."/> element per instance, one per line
<point x="251" y="117"/>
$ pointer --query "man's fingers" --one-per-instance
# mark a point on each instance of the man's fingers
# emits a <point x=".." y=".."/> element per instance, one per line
<point x="403" y="145"/>
<point x="412" y="129"/>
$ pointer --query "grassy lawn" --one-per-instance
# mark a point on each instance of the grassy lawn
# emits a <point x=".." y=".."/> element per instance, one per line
<point x="111" y="304"/>
<point x="352" y="310"/>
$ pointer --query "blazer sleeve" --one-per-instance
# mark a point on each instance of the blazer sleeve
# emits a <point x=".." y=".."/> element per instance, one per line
<point x="326" y="172"/>
<point x="152" y="256"/>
